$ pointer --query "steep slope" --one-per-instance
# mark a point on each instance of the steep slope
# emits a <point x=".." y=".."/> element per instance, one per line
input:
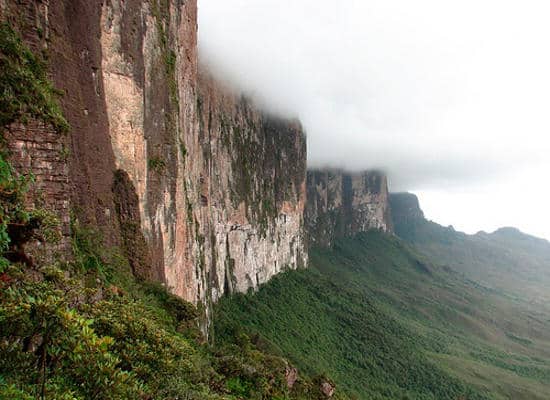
<point x="88" y="329"/>
<point x="387" y="323"/>
<point x="507" y="261"/>
<point x="77" y="318"/>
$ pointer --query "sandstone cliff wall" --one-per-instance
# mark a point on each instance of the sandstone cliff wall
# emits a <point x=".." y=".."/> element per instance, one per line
<point x="252" y="190"/>
<point x="200" y="189"/>
<point x="341" y="204"/>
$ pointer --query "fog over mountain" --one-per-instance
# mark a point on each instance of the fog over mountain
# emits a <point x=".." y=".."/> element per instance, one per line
<point x="451" y="99"/>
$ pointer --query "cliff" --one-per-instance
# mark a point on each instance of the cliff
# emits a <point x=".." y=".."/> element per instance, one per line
<point x="342" y="204"/>
<point x="405" y="207"/>
<point x="252" y="190"/>
<point x="199" y="188"/>
<point x="407" y="216"/>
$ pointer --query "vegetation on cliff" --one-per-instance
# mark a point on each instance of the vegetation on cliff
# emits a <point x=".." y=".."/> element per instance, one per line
<point x="86" y="330"/>
<point x="83" y="327"/>
<point x="381" y="320"/>
<point x="25" y="91"/>
<point x="80" y="325"/>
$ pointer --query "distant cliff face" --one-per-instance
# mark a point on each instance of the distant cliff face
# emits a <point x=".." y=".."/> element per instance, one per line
<point x="342" y="204"/>
<point x="407" y="216"/>
<point x="405" y="207"/>
<point x="199" y="188"/>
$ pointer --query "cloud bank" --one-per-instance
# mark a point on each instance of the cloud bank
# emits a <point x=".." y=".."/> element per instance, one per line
<point x="440" y="94"/>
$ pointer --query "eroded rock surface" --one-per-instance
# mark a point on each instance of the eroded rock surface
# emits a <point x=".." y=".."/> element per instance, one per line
<point x="342" y="204"/>
<point x="202" y="190"/>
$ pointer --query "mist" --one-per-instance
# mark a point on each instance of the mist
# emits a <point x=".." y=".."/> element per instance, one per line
<point x="450" y="99"/>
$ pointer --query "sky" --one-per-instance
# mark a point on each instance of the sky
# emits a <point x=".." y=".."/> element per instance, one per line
<point x="450" y="98"/>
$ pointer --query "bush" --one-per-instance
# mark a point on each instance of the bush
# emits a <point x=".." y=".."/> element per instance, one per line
<point x="50" y="347"/>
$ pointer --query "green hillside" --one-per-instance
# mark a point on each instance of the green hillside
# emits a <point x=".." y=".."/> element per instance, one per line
<point x="386" y="323"/>
<point x="510" y="262"/>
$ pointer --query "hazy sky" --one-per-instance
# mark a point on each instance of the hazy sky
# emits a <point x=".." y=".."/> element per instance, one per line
<point x="450" y="98"/>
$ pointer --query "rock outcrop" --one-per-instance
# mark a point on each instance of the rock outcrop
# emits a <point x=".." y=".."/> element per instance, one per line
<point x="202" y="190"/>
<point x="342" y="204"/>
<point x="407" y="216"/>
<point x="252" y="190"/>
<point x="405" y="207"/>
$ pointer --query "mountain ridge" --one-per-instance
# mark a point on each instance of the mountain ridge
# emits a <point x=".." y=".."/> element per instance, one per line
<point x="133" y="183"/>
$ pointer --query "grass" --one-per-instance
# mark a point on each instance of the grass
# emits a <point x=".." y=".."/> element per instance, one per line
<point x="386" y="323"/>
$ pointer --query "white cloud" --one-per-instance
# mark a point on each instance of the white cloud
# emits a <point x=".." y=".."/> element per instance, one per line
<point x="446" y="96"/>
<point x="518" y="200"/>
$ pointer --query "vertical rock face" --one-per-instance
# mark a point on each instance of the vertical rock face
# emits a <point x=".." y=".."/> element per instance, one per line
<point x="406" y="214"/>
<point x="405" y="207"/>
<point x="342" y="204"/>
<point x="39" y="149"/>
<point x="251" y="190"/>
<point x="200" y="189"/>
<point x="149" y="75"/>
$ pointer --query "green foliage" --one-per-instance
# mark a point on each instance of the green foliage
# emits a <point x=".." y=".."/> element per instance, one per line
<point x="64" y="153"/>
<point x="49" y="225"/>
<point x="237" y="387"/>
<point x="161" y="13"/>
<point x="50" y="348"/>
<point x="87" y="246"/>
<point x="386" y="323"/>
<point x="143" y="345"/>
<point x="12" y="211"/>
<point x="176" y="306"/>
<point x="157" y="164"/>
<point x="25" y="91"/>
<point x="13" y="393"/>
<point x="183" y="150"/>
<point x="61" y="339"/>
<point x="170" y="64"/>
<point x="87" y="329"/>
